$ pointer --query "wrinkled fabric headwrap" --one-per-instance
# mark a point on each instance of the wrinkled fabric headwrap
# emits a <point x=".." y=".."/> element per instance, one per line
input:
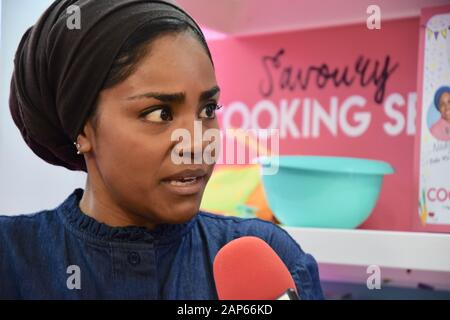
<point x="59" y="72"/>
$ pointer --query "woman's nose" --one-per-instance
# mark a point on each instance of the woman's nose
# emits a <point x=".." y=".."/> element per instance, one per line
<point x="193" y="144"/>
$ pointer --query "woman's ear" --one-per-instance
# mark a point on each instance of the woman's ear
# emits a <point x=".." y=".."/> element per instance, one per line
<point x="85" y="140"/>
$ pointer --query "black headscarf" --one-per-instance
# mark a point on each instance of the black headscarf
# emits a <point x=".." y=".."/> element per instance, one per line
<point x="59" y="72"/>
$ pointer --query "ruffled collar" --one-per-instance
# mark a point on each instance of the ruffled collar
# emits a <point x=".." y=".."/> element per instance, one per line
<point x="72" y="215"/>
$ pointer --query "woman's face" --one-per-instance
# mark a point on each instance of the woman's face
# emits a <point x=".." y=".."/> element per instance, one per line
<point x="171" y="87"/>
<point x="444" y="106"/>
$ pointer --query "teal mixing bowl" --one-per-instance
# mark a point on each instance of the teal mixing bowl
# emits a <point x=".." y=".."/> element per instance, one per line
<point x="322" y="192"/>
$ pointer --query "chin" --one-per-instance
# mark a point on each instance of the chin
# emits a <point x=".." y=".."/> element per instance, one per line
<point x="181" y="212"/>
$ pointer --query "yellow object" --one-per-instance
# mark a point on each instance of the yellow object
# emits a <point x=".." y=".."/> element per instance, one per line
<point x="236" y="191"/>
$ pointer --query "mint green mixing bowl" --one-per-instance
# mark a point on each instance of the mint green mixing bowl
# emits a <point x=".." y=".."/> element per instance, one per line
<point x="323" y="192"/>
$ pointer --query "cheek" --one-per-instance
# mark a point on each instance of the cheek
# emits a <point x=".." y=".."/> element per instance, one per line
<point x="129" y="156"/>
<point x="445" y="110"/>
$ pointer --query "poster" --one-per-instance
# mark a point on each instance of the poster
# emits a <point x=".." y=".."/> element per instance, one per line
<point x="433" y="139"/>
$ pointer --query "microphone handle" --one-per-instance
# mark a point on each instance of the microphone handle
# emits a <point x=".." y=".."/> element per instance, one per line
<point x="289" y="294"/>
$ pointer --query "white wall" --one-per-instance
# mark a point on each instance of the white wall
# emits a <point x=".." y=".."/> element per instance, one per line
<point x="27" y="183"/>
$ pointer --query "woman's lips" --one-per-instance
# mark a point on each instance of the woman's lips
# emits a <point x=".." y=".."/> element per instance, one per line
<point x="186" y="182"/>
<point x="185" y="186"/>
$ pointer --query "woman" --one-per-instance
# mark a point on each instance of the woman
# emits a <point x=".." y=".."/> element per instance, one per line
<point x="105" y="99"/>
<point x="441" y="129"/>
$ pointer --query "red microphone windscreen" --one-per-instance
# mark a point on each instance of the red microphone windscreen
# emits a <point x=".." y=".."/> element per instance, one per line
<point x="248" y="268"/>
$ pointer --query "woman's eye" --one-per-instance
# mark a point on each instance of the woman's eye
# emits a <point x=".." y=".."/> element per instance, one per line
<point x="209" y="111"/>
<point x="158" y="115"/>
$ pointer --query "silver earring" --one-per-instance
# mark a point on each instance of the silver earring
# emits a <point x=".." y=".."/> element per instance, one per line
<point x="78" y="146"/>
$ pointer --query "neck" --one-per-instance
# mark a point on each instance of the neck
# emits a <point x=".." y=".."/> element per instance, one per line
<point x="99" y="204"/>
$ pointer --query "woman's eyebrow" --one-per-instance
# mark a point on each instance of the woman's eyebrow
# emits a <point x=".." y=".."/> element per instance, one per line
<point x="177" y="97"/>
<point x="208" y="94"/>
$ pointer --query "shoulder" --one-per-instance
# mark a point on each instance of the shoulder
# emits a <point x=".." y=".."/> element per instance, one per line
<point x="22" y="239"/>
<point x="302" y="266"/>
<point x="439" y="126"/>
<point x="11" y="222"/>
<point x="18" y="229"/>
<point x="240" y="227"/>
<point x="435" y="127"/>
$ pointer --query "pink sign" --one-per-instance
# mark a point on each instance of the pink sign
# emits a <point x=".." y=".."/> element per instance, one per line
<point x="342" y="91"/>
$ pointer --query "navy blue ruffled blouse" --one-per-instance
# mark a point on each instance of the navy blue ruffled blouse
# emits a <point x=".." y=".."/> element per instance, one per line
<point x="65" y="254"/>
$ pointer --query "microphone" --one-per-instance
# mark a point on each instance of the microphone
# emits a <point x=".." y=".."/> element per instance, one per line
<point x="248" y="268"/>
